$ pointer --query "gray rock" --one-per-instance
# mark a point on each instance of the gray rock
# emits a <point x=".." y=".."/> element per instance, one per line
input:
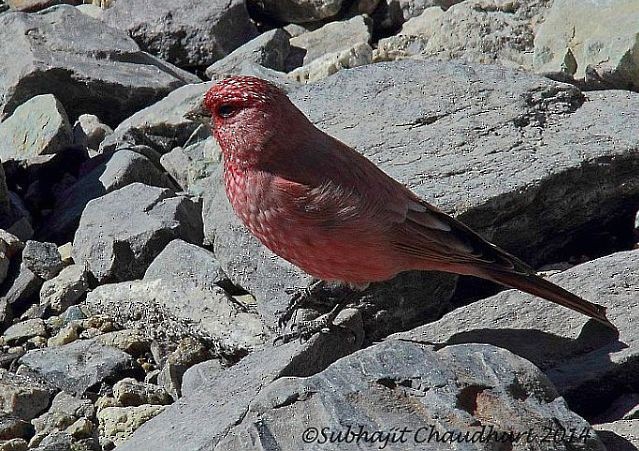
<point x="64" y="411"/>
<point x="591" y="43"/>
<point x="224" y="400"/>
<point x="23" y="397"/>
<point x="10" y="243"/>
<point x="77" y="367"/>
<point x="188" y="353"/>
<point x="16" y="444"/>
<point x="358" y="55"/>
<point x="199" y="374"/>
<point x="118" y="423"/>
<point x="12" y="427"/>
<point x="38" y="126"/>
<point x="299" y="11"/>
<point x="34" y="5"/>
<point x="43" y="259"/>
<point x="170" y="310"/>
<point x="22" y="331"/>
<point x="622" y="435"/>
<point x="334" y="37"/>
<point x="585" y="361"/>
<point x="393" y="384"/>
<point x="122" y="168"/>
<point x="460" y="155"/>
<point x="66" y="289"/>
<point x="486" y="31"/>
<point x="162" y="125"/>
<point x="182" y="32"/>
<point x="103" y="73"/>
<point x="89" y="131"/>
<point x="269" y="49"/>
<point x="63" y="440"/>
<point x="129" y="341"/>
<point x="129" y="392"/>
<point x="187" y="263"/>
<point x="122" y="232"/>
<point x="19" y="291"/>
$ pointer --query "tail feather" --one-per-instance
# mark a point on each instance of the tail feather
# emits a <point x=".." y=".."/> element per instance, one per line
<point x="543" y="288"/>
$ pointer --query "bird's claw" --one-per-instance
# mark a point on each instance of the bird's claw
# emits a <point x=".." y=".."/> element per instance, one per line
<point x="304" y="330"/>
<point x="300" y="296"/>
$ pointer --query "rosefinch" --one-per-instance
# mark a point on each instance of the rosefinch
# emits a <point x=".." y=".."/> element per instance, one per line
<point x="321" y="205"/>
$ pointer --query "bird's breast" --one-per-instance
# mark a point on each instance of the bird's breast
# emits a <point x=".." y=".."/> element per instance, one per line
<point x="346" y="254"/>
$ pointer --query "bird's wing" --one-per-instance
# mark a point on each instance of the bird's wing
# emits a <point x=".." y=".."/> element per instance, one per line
<point x="424" y="232"/>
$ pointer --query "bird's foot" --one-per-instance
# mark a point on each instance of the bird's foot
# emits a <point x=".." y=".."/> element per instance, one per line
<point x="304" y="330"/>
<point x="300" y="297"/>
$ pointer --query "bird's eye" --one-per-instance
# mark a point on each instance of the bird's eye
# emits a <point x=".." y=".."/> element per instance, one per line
<point x="226" y="110"/>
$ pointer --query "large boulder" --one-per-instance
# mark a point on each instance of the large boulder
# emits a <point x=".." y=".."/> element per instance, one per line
<point x="588" y="363"/>
<point x="89" y="66"/>
<point x="184" y="32"/>
<point x="591" y="43"/>
<point x="122" y="232"/>
<point x="38" y="126"/>
<point x="374" y="397"/>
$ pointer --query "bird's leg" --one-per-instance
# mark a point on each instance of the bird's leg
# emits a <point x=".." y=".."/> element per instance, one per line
<point x="301" y="296"/>
<point x="305" y="329"/>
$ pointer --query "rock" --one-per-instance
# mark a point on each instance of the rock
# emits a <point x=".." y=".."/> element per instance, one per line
<point x="591" y="43"/>
<point x="122" y="168"/>
<point x="584" y="361"/>
<point x="22" y="396"/>
<point x="104" y="73"/>
<point x="412" y="40"/>
<point x="65" y="410"/>
<point x="170" y="310"/>
<point x="67" y="334"/>
<point x="269" y="49"/>
<point x="130" y="393"/>
<point x="622" y="435"/>
<point x="43" y="259"/>
<point x="20" y="291"/>
<point x="16" y="444"/>
<point x="393" y="382"/>
<point x="118" y="423"/>
<point x="81" y="428"/>
<point x="183" y="262"/>
<point x="34" y="5"/>
<point x="224" y="400"/>
<point x="358" y="55"/>
<point x="182" y="32"/>
<point x="64" y="290"/>
<point x="199" y="374"/>
<point x="161" y="125"/>
<point x="141" y="221"/>
<point x="565" y="191"/>
<point x="4" y="261"/>
<point x="129" y="341"/>
<point x="78" y="366"/>
<point x="487" y="31"/>
<point x="89" y="131"/>
<point x="62" y="440"/>
<point x="11" y="244"/>
<point x="38" y="126"/>
<point x="188" y="353"/>
<point x="391" y="14"/>
<point x="21" y="332"/>
<point x="334" y="37"/>
<point x="12" y="427"/>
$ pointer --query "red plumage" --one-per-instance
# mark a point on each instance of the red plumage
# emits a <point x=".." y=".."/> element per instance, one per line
<point x="318" y="203"/>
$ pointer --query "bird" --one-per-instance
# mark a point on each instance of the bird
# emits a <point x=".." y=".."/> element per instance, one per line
<point x="326" y="208"/>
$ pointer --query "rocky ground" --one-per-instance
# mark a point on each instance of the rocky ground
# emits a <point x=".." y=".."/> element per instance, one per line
<point x="136" y="312"/>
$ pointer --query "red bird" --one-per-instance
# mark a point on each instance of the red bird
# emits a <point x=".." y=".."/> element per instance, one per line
<point x="321" y="205"/>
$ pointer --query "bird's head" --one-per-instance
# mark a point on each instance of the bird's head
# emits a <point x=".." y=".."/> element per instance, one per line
<point x="245" y="113"/>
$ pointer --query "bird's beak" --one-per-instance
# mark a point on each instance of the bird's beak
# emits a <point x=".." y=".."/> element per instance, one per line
<point x="199" y="114"/>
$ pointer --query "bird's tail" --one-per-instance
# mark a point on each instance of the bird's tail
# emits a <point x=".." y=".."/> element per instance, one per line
<point x="543" y="288"/>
